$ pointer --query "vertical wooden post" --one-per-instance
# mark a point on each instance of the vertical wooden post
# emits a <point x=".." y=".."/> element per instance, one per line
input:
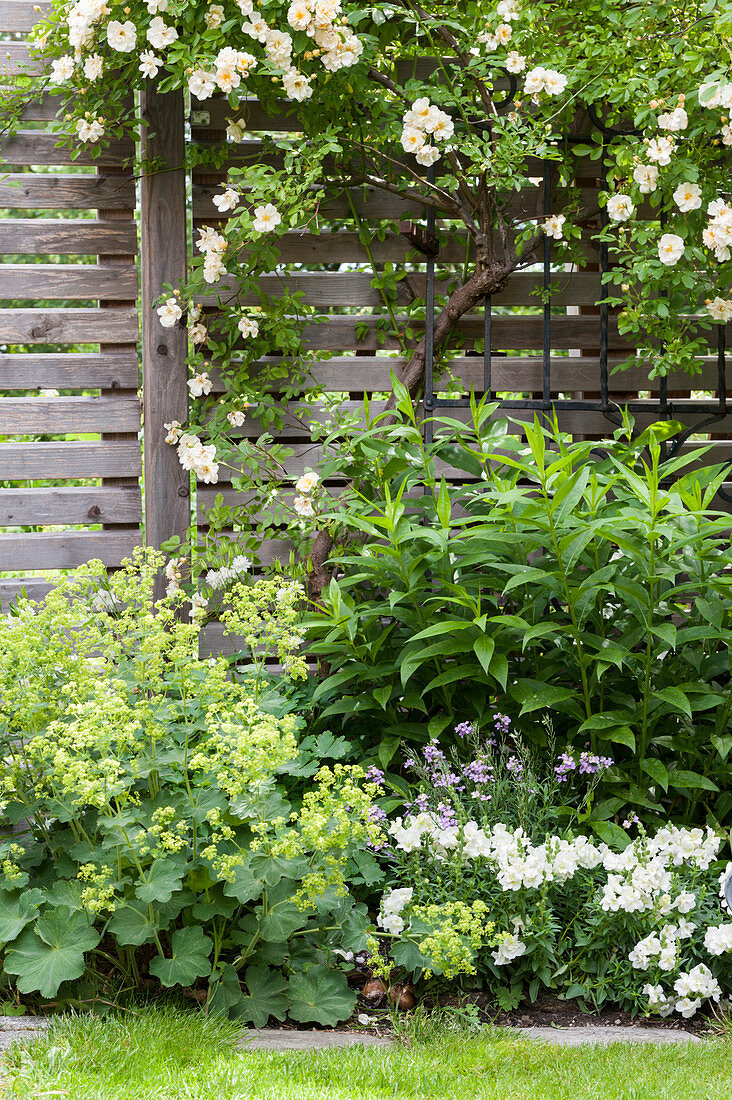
<point x="163" y="244"/>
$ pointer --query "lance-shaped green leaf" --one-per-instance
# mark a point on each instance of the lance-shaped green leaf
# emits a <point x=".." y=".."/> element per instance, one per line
<point x="52" y="952"/>
<point x="191" y="949"/>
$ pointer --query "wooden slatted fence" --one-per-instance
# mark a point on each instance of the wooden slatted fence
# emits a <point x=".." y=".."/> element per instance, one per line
<point x="70" y="461"/>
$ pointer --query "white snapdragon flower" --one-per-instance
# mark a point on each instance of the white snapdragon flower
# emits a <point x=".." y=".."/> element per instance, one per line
<point x="214" y="17"/>
<point x="236" y="418"/>
<point x="159" y="35"/>
<point x="515" y="63"/>
<point x="248" y="326"/>
<point x="201" y="84"/>
<point x="718" y="939"/>
<point x="620" y="207"/>
<point x="62" y="69"/>
<point x="93" y="67"/>
<point x="200" y="385"/>
<point x="646" y="176"/>
<point x="660" y="149"/>
<point x="150" y="64"/>
<point x="89" y="131"/>
<point x="307" y="482"/>
<point x="226" y="201"/>
<point x="510" y="947"/>
<point x="169" y="313"/>
<point x="303" y="506"/>
<point x="685" y="902"/>
<point x="670" y="249"/>
<point x="687" y="196"/>
<point x="674" y="120"/>
<point x="720" y="309"/>
<point x="266" y="218"/>
<point x="554" y="226"/>
<point x="296" y="85"/>
<point x="121" y="36"/>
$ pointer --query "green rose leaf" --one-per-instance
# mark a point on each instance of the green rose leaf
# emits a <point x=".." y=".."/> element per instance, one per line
<point x="52" y="952"/>
<point x="160" y="881"/>
<point x="321" y="996"/>
<point x="191" y="950"/>
<point x="267" y="996"/>
<point x="16" y="912"/>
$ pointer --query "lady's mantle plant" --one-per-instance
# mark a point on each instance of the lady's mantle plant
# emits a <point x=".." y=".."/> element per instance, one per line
<point x="145" y="833"/>
<point x="459" y="134"/>
<point x="484" y="886"/>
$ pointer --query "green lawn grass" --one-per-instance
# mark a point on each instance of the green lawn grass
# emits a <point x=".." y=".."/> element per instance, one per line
<point x="169" y="1055"/>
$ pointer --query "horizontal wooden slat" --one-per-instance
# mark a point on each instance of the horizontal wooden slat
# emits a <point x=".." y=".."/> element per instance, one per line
<point x="69" y="371"/>
<point x="35" y="588"/>
<point x="20" y="15"/>
<point x="344" y="247"/>
<point x="67" y="236"/>
<point x="62" y="461"/>
<point x="15" y="60"/>
<point x="42" y="191"/>
<point x="353" y="288"/>
<point x="43" y="109"/>
<point x="68" y="326"/>
<point x="44" y="507"/>
<point x="68" y="281"/>
<point x="66" y="549"/>
<point x="509" y="374"/>
<point x="35" y="147"/>
<point x="57" y="415"/>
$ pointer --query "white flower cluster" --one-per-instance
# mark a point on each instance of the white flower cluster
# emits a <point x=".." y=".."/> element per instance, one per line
<point x="226" y="72"/>
<point x="690" y="989"/>
<point x="392" y="904"/>
<point x="718" y="233"/>
<point x="192" y="454"/>
<point x="219" y="578"/>
<point x="539" y="80"/>
<point x="305" y="486"/>
<point x="213" y="245"/>
<point x="422" y="119"/>
<point x="661" y="949"/>
<point x="640" y="877"/>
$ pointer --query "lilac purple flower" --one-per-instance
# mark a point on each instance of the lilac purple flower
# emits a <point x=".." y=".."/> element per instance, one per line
<point x="479" y="771"/>
<point x="465" y="729"/>
<point x="374" y="775"/>
<point x="501" y="723"/>
<point x="515" y="766"/>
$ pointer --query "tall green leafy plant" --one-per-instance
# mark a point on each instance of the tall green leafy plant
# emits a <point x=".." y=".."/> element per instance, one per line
<point x="585" y="582"/>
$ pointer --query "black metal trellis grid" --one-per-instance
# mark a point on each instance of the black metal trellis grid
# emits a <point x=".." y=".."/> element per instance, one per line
<point x="710" y="412"/>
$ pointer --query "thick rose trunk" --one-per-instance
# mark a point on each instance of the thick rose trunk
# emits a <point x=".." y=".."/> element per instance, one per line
<point x="488" y="280"/>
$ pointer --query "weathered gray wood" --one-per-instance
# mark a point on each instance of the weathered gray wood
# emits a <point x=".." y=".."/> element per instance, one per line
<point x="66" y="237"/>
<point x="42" y="109"/>
<point x="68" y="371"/>
<point x="66" y="549"/>
<point x="163" y="250"/>
<point x="57" y="415"/>
<point x="60" y="461"/>
<point x="44" y="507"/>
<point x="509" y="374"/>
<point x="20" y="15"/>
<point x="41" y="191"/>
<point x="35" y="147"/>
<point x="11" y="590"/>
<point x="370" y="203"/>
<point x="345" y="247"/>
<point x="15" y="60"/>
<point x="67" y="281"/>
<point x="353" y="288"/>
<point x="68" y="326"/>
